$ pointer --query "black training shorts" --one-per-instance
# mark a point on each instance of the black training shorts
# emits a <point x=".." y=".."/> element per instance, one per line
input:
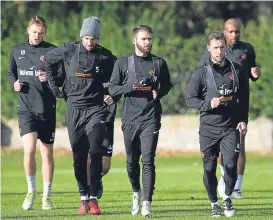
<point x="42" y="123"/>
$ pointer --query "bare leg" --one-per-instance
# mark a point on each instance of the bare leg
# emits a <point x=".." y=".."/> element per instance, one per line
<point x="47" y="161"/>
<point x="47" y="167"/>
<point x="30" y="141"/>
<point x="106" y="164"/>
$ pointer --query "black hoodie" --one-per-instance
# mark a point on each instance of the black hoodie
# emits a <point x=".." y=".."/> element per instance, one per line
<point x="200" y="94"/>
<point x="25" y="62"/>
<point x="85" y="75"/>
<point x="139" y="106"/>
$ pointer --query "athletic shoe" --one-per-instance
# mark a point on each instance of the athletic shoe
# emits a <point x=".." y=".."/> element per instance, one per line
<point x="136" y="202"/>
<point x="146" y="209"/>
<point x="229" y="210"/>
<point x="47" y="203"/>
<point x="29" y="200"/>
<point x="216" y="210"/>
<point x="94" y="207"/>
<point x="221" y="187"/>
<point x="83" y="210"/>
<point x="237" y="194"/>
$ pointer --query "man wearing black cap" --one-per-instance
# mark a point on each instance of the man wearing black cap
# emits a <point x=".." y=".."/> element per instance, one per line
<point x="219" y="89"/>
<point x="243" y="54"/>
<point x="89" y="65"/>
<point x="143" y="79"/>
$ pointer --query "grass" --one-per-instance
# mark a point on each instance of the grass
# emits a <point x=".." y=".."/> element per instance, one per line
<point x="179" y="193"/>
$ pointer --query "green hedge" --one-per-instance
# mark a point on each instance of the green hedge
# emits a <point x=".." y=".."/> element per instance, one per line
<point x="182" y="54"/>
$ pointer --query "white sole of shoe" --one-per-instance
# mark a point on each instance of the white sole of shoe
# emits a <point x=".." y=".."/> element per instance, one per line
<point x="135" y="212"/>
<point x="26" y="208"/>
<point x="229" y="213"/>
<point x="46" y="208"/>
<point x="234" y="196"/>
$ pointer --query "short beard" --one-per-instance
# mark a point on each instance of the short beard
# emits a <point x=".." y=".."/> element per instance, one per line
<point x="143" y="50"/>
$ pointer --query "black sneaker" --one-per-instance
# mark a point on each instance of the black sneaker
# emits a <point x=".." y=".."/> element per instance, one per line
<point x="229" y="210"/>
<point x="216" y="210"/>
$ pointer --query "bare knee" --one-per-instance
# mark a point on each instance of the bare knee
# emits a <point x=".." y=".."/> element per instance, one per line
<point x="30" y="141"/>
<point x="46" y="151"/>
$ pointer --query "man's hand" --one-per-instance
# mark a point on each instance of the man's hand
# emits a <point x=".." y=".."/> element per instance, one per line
<point x="57" y="93"/>
<point x="215" y="102"/>
<point x="242" y="128"/>
<point x="42" y="76"/>
<point x="154" y="94"/>
<point x="108" y="100"/>
<point x="255" y="72"/>
<point x="17" y="86"/>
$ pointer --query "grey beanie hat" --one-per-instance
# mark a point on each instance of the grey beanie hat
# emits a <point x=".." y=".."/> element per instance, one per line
<point x="90" y="27"/>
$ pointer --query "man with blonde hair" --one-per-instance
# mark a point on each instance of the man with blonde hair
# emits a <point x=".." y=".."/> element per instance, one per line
<point x="37" y="106"/>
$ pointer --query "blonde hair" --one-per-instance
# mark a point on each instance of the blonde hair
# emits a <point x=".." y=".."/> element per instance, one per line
<point x="40" y="21"/>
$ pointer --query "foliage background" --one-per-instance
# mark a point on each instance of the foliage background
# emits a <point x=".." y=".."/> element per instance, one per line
<point x="180" y="31"/>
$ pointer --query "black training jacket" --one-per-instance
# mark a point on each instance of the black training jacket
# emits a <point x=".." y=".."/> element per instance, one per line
<point x="86" y="71"/>
<point x="200" y="94"/>
<point x="25" y="62"/>
<point x="139" y="106"/>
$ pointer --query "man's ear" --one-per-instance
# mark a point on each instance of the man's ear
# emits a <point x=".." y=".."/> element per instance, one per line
<point x="134" y="40"/>
<point x="208" y="48"/>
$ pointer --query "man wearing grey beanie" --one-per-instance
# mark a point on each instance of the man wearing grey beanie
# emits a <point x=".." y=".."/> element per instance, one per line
<point x="90" y="27"/>
<point x="89" y="67"/>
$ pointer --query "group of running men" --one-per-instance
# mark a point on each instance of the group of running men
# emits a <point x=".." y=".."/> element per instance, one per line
<point x="92" y="80"/>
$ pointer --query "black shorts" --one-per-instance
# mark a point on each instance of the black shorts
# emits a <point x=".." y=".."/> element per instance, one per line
<point x="108" y="139"/>
<point x="42" y="123"/>
<point x="227" y="141"/>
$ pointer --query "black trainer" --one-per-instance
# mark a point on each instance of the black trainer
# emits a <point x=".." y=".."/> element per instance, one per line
<point x="216" y="210"/>
<point x="229" y="210"/>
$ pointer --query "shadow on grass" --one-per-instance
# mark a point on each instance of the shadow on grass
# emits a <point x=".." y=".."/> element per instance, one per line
<point x="256" y="197"/>
<point x="53" y="193"/>
<point x="194" y="191"/>
<point x="259" y="191"/>
<point x="253" y="204"/>
<point x="38" y="216"/>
